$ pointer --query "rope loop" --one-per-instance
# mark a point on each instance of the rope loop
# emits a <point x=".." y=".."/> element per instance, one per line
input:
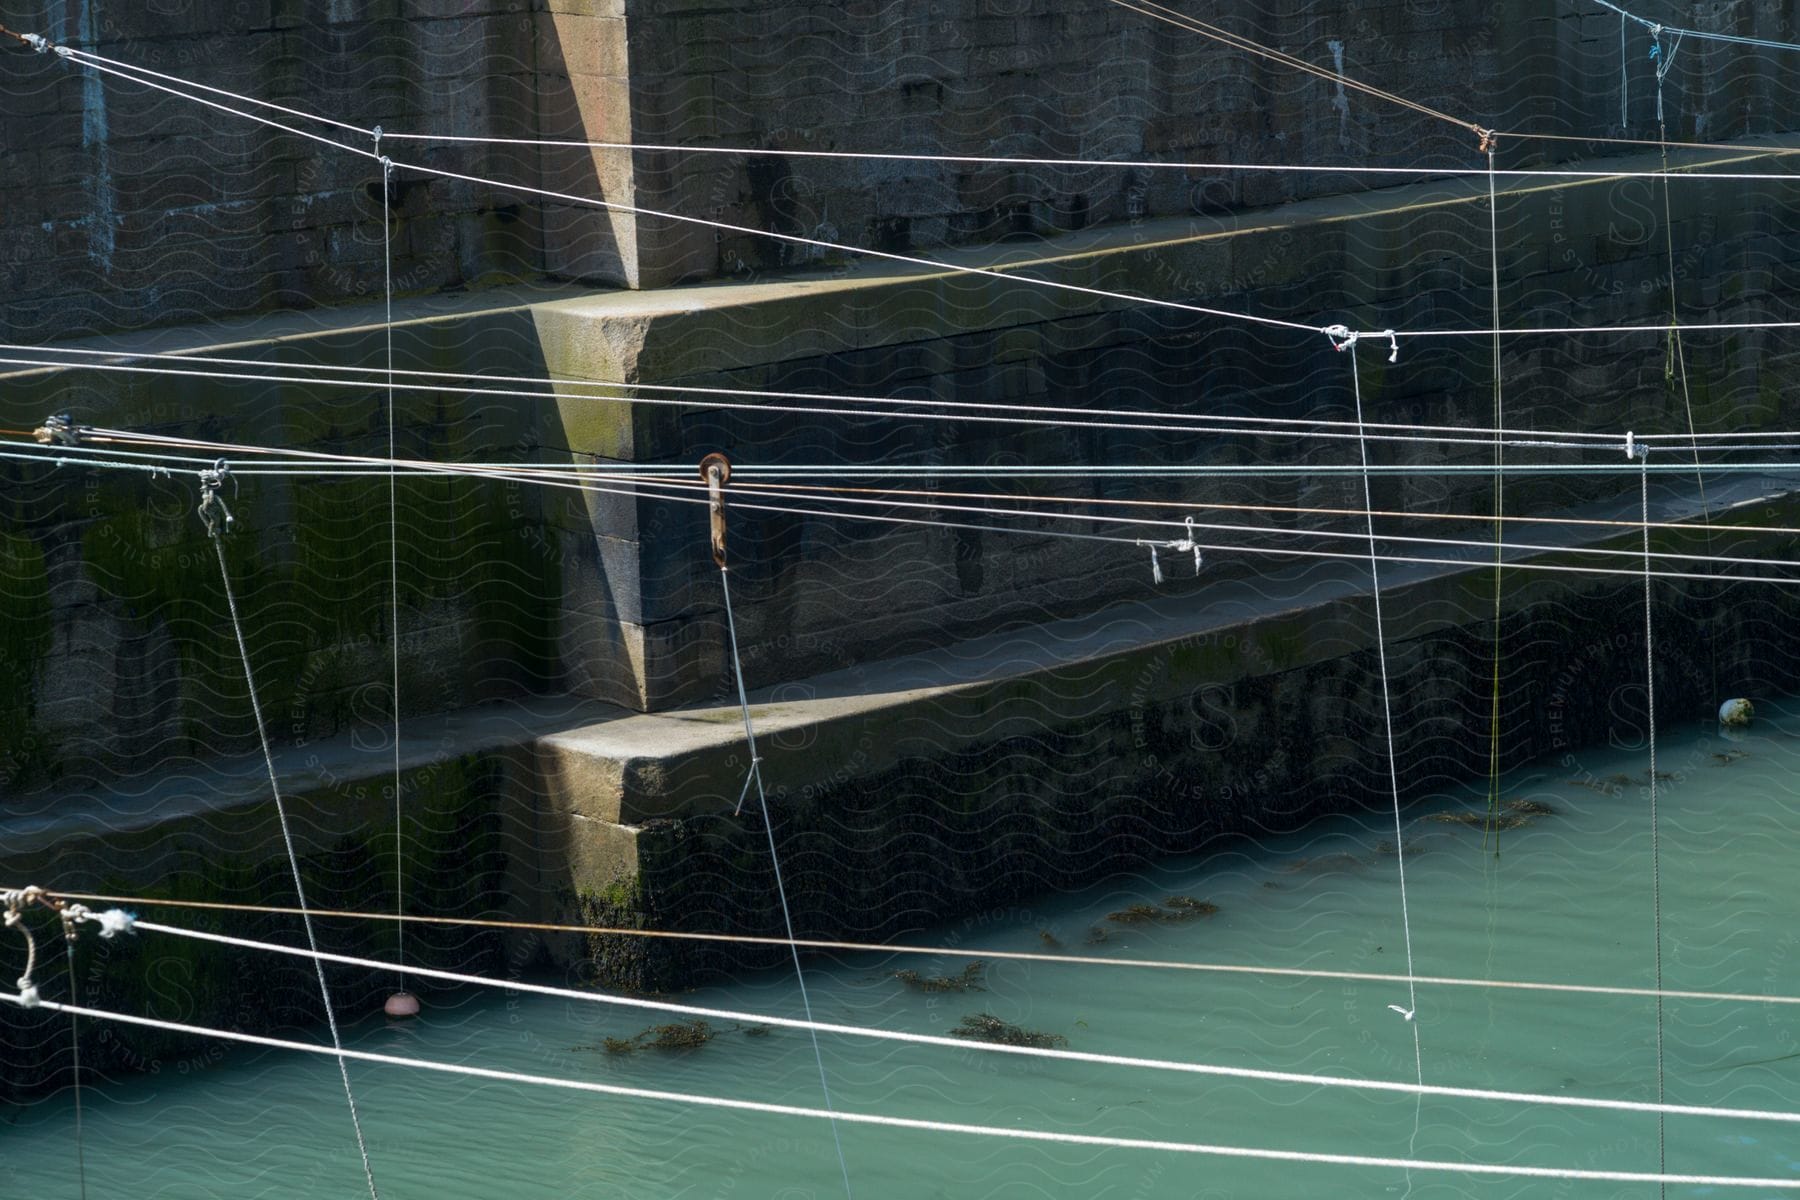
<point x="1342" y="337"/>
<point x="1393" y="344"/>
<point x="16" y="900"/>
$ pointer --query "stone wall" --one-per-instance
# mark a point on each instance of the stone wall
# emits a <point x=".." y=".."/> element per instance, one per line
<point x="125" y="659"/>
<point x="124" y="207"/>
<point x="1091" y="79"/>
<point x="643" y="620"/>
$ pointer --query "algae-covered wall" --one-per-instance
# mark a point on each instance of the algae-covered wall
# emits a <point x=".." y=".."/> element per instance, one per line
<point x="124" y="657"/>
<point x="876" y="855"/>
<point x="465" y="855"/>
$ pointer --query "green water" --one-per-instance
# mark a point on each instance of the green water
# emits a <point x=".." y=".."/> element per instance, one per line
<point x="1569" y="900"/>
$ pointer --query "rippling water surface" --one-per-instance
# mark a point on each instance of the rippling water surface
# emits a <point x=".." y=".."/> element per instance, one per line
<point x="1568" y="900"/>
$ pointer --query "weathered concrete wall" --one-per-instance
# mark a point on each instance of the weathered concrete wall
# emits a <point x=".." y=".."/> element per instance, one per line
<point x="643" y="620"/>
<point x="890" y="823"/>
<point x="468" y="839"/>
<point x="122" y="207"/>
<point x="1090" y="79"/>
<point x="122" y="657"/>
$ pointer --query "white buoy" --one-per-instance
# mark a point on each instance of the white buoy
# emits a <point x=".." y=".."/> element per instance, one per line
<point x="401" y="1004"/>
<point x="1736" y="713"/>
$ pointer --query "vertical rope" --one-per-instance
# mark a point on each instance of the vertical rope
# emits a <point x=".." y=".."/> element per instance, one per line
<point x="75" y="1055"/>
<point x="1624" y="81"/>
<point x="1387" y="716"/>
<point x="1493" y="822"/>
<point x="1662" y="1154"/>
<point x="755" y="775"/>
<point x="387" y="257"/>
<point x="287" y="838"/>
<point x="1676" y="363"/>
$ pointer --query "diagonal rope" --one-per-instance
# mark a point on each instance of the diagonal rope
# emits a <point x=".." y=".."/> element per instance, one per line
<point x="755" y="775"/>
<point x="932" y="1126"/>
<point x="1181" y="20"/>
<point x="217" y="517"/>
<point x="1080" y="960"/>
<point x="1411" y="1012"/>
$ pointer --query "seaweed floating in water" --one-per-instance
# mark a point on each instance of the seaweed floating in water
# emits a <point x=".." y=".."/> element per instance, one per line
<point x="1098" y="934"/>
<point x="1530" y="808"/>
<point x="1182" y="907"/>
<point x="1050" y="939"/>
<point x="1729" y="757"/>
<point x="967" y="980"/>
<point x="1135" y="914"/>
<point x="1175" y="908"/>
<point x="986" y="1027"/>
<point x="756" y="1030"/>
<point x="681" y="1035"/>
<point x="1481" y="820"/>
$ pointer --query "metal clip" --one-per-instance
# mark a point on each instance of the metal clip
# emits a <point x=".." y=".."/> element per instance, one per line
<point x="715" y="469"/>
<point x="213" y="509"/>
<point x="59" y="429"/>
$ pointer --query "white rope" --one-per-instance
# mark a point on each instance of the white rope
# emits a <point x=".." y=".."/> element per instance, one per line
<point x="1656" y="30"/>
<point x="1655" y="848"/>
<point x="1410" y="1012"/>
<point x="126" y="920"/>
<point x="561" y="389"/>
<point x="1003" y="273"/>
<point x="211" y="510"/>
<point x="633" y="489"/>
<point x="754" y="774"/>
<point x="387" y="264"/>
<point x="135" y="71"/>
<point x="1032" y="1135"/>
<point x="925" y="1039"/>
<point x="1430" y="174"/>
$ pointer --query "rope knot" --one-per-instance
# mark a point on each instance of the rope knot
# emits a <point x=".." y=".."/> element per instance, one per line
<point x="37" y="41"/>
<point x="1342" y="337"/>
<point x="1490" y="141"/>
<point x="1393" y="345"/>
<point x="213" y="509"/>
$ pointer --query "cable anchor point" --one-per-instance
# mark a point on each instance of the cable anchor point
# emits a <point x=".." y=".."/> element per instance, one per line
<point x="59" y="429"/>
<point x="1635" y="449"/>
<point x="213" y="509"/>
<point x="715" y="472"/>
<point x="1490" y="141"/>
